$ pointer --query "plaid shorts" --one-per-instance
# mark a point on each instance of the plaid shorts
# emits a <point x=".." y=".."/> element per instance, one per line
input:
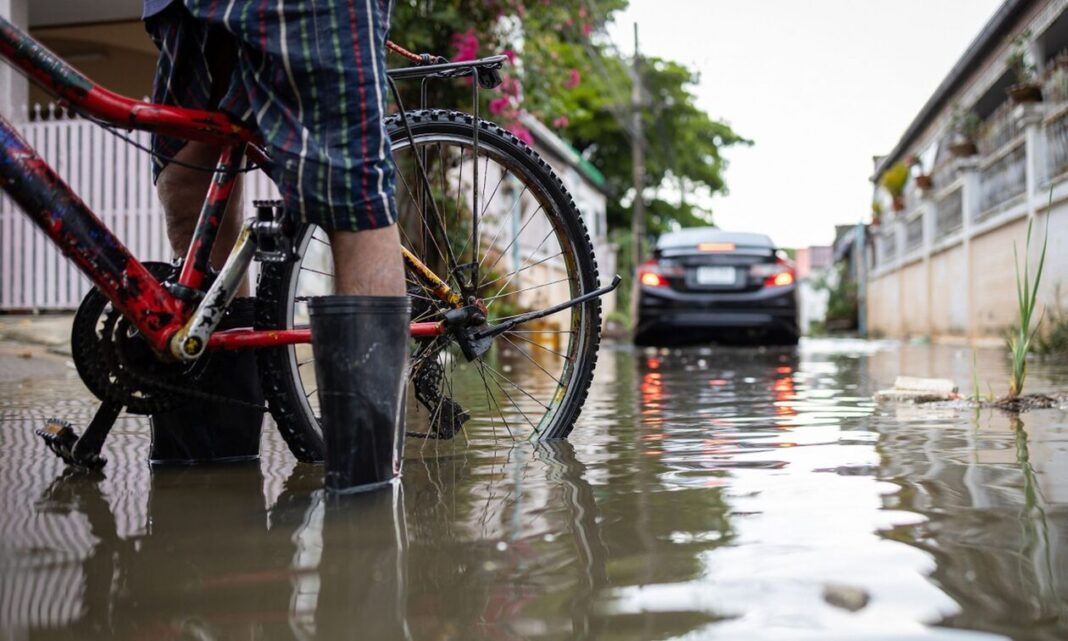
<point x="309" y="77"/>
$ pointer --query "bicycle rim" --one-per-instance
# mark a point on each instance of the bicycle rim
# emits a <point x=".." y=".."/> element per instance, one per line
<point x="532" y="251"/>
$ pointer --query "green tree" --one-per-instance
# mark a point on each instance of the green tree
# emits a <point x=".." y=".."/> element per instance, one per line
<point x="566" y="73"/>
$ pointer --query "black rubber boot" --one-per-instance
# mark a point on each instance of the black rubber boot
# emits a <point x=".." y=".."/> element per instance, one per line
<point x="202" y="431"/>
<point x="361" y="353"/>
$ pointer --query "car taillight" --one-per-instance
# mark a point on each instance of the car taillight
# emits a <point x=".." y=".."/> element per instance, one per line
<point x="650" y="276"/>
<point x="780" y="274"/>
<point x="780" y="280"/>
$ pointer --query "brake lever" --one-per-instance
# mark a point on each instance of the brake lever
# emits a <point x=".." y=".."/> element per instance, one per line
<point x="494" y="330"/>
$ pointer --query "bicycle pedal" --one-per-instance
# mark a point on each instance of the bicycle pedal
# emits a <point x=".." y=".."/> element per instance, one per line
<point x="61" y="437"/>
<point x="274" y="233"/>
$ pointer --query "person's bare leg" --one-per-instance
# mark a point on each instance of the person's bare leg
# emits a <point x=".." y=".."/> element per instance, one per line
<point x="368" y="263"/>
<point x="182" y="191"/>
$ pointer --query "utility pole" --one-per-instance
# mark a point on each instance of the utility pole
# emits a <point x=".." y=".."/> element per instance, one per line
<point x="637" y="151"/>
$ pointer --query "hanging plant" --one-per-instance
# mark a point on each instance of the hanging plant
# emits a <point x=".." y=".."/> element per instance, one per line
<point x="894" y="180"/>
<point x="964" y="128"/>
<point x="876" y="213"/>
<point x="1020" y="63"/>
<point x="920" y="176"/>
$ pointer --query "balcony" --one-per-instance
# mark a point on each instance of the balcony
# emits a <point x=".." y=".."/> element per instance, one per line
<point x="1002" y="177"/>
<point x="949" y="214"/>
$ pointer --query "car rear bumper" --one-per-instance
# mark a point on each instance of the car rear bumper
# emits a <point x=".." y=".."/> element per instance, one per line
<point x="769" y="309"/>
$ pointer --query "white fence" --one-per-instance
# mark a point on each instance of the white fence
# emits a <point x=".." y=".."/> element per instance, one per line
<point x="115" y="180"/>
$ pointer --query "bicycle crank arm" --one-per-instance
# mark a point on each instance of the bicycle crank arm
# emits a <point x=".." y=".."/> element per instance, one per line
<point x="501" y="328"/>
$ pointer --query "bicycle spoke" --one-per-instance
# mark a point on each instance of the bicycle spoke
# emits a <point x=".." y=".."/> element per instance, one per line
<point x="467" y="240"/>
<point x="496" y="187"/>
<point x="512" y="401"/>
<point x="531" y="359"/>
<point x="428" y="232"/>
<point x="519" y="233"/>
<point x="500" y="228"/>
<point x="526" y="289"/>
<point x="316" y="271"/>
<point x="509" y="381"/>
<point x="512" y="276"/>
<point x="489" y="397"/>
<point x="537" y="344"/>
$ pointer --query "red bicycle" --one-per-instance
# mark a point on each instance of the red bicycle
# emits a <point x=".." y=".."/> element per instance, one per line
<point x="501" y="272"/>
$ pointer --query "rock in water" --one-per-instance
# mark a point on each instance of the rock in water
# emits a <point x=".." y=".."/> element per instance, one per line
<point x="919" y="390"/>
<point x="847" y="597"/>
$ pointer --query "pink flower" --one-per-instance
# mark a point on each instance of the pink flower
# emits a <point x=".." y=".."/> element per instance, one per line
<point x="510" y="86"/>
<point x="587" y="29"/>
<point x="466" y="45"/>
<point x="560" y="122"/>
<point x="574" y="79"/>
<point x="497" y="105"/>
<point x="521" y="133"/>
<point x="508" y="53"/>
<point x="582" y="12"/>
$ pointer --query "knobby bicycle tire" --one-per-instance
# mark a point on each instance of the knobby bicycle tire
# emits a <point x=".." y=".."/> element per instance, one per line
<point x="280" y="370"/>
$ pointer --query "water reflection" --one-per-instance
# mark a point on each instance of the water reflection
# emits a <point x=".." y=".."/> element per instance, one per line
<point x="215" y="561"/>
<point x="706" y="493"/>
<point x="996" y="519"/>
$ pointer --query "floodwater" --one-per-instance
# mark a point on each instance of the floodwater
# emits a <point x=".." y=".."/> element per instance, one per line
<point x="707" y="493"/>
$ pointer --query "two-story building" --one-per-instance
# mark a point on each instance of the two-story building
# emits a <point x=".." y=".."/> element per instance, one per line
<point x="982" y="166"/>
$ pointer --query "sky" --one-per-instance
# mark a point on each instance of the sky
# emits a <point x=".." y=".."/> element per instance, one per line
<point x="820" y="86"/>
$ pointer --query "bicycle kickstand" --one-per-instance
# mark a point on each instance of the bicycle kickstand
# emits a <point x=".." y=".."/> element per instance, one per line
<point x="84" y="451"/>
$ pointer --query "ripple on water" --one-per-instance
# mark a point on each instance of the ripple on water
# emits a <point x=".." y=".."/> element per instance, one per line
<point x="706" y="493"/>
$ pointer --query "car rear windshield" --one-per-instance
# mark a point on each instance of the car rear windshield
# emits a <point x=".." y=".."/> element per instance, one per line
<point x="693" y="237"/>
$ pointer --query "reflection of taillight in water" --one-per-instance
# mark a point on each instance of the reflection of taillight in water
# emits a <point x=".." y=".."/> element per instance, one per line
<point x="778" y="274"/>
<point x="783" y="389"/>
<point x="652" y="394"/>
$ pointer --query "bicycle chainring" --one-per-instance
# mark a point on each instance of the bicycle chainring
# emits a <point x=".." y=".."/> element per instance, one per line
<point x="115" y="362"/>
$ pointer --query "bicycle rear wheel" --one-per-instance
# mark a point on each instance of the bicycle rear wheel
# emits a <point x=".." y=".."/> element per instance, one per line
<point x="533" y="251"/>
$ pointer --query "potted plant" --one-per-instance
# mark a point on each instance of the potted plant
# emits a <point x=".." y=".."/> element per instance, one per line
<point x="894" y="180"/>
<point x="1027" y="88"/>
<point x="876" y="213"/>
<point x="964" y="127"/>
<point x="922" y="178"/>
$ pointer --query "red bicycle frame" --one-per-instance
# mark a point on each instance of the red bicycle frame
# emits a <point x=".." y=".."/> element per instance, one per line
<point x="158" y="312"/>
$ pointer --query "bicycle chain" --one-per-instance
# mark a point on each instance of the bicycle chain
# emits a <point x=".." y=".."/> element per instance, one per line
<point x="192" y="393"/>
<point x="105" y="365"/>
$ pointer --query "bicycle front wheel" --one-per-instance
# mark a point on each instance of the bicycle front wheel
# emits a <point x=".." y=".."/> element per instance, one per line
<point x="532" y="250"/>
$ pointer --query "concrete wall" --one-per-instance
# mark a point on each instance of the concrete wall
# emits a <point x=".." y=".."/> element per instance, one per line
<point x="960" y="282"/>
<point x="968" y="290"/>
<point x="949" y="313"/>
<point x="13" y="86"/>
<point x="914" y="316"/>
<point x="884" y="305"/>
<point x="119" y="56"/>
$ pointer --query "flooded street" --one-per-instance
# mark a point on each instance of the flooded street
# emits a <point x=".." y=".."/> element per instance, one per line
<point x="706" y="493"/>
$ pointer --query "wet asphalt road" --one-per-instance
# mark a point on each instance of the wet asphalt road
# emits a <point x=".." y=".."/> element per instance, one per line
<point x="706" y="493"/>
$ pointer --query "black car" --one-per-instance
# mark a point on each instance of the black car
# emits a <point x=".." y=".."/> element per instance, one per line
<point x="704" y="283"/>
